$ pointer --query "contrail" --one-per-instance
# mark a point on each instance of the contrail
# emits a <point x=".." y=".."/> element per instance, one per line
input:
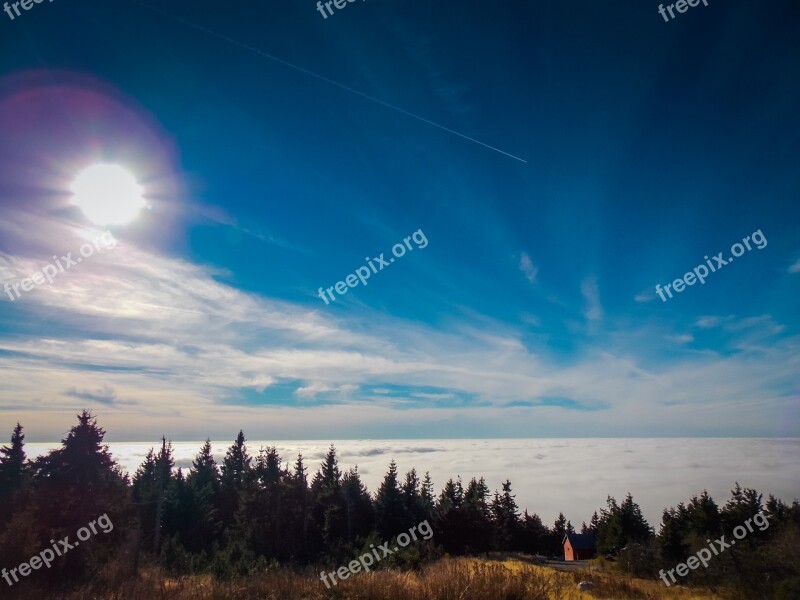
<point x="325" y="79"/>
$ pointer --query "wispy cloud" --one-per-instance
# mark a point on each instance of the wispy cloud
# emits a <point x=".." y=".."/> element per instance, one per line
<point x="526" y="266"/>
<point x="680" y="339"/>
<point x="104" y="395"/>
<point x="591" y="295"/>
<point x="795" y="268"/>
<point x="141" y="325"/>
<point x="707" y="322"/>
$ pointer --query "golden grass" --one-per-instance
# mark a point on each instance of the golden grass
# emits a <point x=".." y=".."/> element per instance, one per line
<point x="447" y="579"/>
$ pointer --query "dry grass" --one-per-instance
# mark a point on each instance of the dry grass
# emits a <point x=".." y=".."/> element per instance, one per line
<point x="447" y="579"/>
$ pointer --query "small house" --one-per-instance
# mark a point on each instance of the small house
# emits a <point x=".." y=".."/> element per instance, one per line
<point x="579" y="546"/>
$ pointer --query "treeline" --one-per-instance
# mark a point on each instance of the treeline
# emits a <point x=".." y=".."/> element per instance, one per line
<point x="251" y="512"/>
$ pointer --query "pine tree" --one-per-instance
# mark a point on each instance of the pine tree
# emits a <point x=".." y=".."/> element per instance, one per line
<point x="506" y="518"/>
<point x="621" y="524"/>
<point x="427" y="497"/>
<point x="744" y="504"/>
<point x="360" y="510"/>
<point x="13" y="476"/>
<point x="535" y="535"/>
<point x="75" y="484"/>
<point x="414" y="504"/>
<point x="164" y="465"/>
<point x="390" y="506"/>
<point x="328" y="477"/>
<point x="672" y="537"/>
<point x="330" y="511"/>
<point x="82" y="475"/>
<point x="200" y="502"/>
<point x="259" y="517"/>
<point x="558" y="532"/>
<point x="12" y="465"/>
<point x="299" y="514"/>
<point x="704" y="518"/>
<point x="451" y="498"/>
<point x="449" y="520"/>
<point x="593" y="524"/>
<point x="236" y="468"/>
<point x="204" y="473"/>
<point x="634" y="526"/>
<point x="478" y="516"/>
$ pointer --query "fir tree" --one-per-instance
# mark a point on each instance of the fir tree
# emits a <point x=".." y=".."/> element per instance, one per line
<point x="236" y="467"/>
<point x="12" y="464"/>
<point x="506" y="518"/>
<point x="390" y="505"/>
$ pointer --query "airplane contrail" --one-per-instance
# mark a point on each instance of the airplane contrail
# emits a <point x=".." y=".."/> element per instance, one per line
<point x="325" y="79"/>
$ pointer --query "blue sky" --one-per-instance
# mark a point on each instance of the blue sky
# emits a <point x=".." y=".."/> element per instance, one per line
<point x="532" y="310"/>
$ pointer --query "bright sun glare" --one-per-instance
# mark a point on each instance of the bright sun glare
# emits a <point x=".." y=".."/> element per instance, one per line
<point x="108" y="195"/>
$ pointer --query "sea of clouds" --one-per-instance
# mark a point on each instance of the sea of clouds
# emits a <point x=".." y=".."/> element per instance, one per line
<point x="547" y="475"/>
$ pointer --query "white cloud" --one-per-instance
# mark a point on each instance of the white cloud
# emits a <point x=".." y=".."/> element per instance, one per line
<point x="526" y="266"/>
<point x="645" y="296"/>
<point x="165" y="334"/>
<point x="707" y="322"/>
<point x="591" y="295"/>
<point x="680" y="339"/>
<point x="795" y="268"/>
<point x="663" y="471"/>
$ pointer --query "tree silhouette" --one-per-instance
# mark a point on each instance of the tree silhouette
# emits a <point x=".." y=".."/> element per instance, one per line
<point x="390" y="505"/>
<point x="12" y="465"/>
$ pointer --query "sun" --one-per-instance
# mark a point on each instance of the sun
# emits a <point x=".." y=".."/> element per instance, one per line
<point x="108" y="195"/>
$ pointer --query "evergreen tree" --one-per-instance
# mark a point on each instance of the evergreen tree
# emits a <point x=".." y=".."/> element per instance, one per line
<point x="414" y="503"/>
<point x="204" y="473"/>
<point x="390" y="506"/>
<point x="449" y="519"/>
<point x="557" y="534"/>
<point x="506" y="518"/>
<point x="154" y="495"/>
<point x="261" y="505"/>
<point x="672" y="537"/>
<point x="744" y="504"/>
<point x="622" y="524"/>
<point x="595" y="520"/>
<point x="478" y="516"/>
<point x="298" y="519"/>
<point x="330" y="511"/>
<point x="535" y="535"/>
<point x="778" y="511"/>
<point x="704" y="519"/>
<point x="236" y="467"/>
<point x="360" y="510"/>
<point x="81" y="477"/>
<point x="74" y="485"/>
<point x="200" y="502"/>
<point x="427" y="497"/>
<point x="12" y="465"/>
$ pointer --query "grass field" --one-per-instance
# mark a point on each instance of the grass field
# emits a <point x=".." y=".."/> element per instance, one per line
<point x="447" y="579"/>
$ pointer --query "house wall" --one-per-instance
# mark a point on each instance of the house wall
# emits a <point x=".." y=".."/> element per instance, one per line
<point x="571" y="554"/>
<point x="568" y="552"/>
